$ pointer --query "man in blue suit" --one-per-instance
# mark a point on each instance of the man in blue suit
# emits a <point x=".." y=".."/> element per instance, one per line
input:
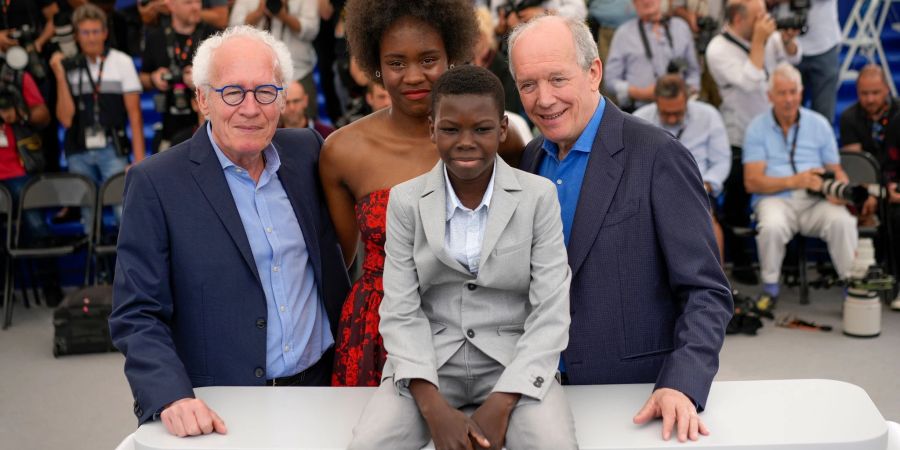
<point x="649" y="300"/>
<point x="228" y="270"/>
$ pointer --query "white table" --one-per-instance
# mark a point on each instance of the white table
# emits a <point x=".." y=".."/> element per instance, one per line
<point x="745" y="415"/>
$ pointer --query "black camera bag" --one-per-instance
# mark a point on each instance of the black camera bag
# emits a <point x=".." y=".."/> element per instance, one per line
<point x="81" y="322"/>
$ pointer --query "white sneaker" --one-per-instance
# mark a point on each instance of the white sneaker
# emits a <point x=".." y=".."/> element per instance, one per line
<point x="895" y="305"/>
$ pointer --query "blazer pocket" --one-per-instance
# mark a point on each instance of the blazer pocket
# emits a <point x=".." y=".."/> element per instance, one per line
<point x="649" y="354"/>
<point x="511" y="330"/>
<point x="621" y="214"/>
<point x="437" y="327"/>
<point x="512" y="248"/>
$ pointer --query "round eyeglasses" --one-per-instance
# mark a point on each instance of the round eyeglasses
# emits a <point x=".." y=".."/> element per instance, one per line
<point x="233" y="95"/>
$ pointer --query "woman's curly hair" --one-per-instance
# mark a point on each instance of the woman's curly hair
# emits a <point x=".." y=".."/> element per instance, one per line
<point x="368" y="20"/>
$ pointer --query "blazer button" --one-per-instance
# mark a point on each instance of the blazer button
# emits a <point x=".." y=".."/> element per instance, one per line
<point x="260" y="323"/>
<point x="470" y="333"/>
<point x="259" y="372"/>
<point x="538" y="382"/>
<point x="472" y="286"/>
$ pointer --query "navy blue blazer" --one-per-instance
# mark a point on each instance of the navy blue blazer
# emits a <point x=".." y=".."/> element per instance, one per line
<point x="649" y="300"/>
<point x="188" y="306"/>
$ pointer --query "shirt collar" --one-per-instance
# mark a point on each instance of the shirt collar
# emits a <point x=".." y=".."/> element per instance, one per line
<point x="585" y="141"/>
<point x="273" y="161"/>
<point x="453" y="202"/>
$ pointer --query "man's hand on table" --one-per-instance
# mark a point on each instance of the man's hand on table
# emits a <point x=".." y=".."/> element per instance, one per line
<point x="191" y="417"/>
<point x="677" y="411"/>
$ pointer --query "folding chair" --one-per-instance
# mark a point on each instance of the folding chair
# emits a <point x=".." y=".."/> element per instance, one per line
<point x="111" y="195"/>
<point x="862" y="168"/>
<point x="51" y="191"/>
<point x="6" y="211"/>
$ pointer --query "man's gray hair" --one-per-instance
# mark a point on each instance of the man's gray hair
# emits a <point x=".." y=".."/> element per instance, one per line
<point x="283" y="66"/>
<point x="787" y="71"/>
<point x="585" y="45"/>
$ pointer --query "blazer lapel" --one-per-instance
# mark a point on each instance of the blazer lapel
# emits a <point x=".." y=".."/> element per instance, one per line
<point x="601" y="179"/>
<point x="433" y="211"/>
<point x="301" y="195"/>
<point x="210" y="179"/>
<point x="503" y="205"/>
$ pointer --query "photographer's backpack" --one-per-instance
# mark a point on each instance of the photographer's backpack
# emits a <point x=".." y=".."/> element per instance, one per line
<point x="81" y="322"/>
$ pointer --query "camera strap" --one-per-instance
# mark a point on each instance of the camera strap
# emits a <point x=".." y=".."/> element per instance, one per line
<point x="95" y="88"/>
<point x="5" y="6"/>
<point x="730" y="38"/>
<point x="177" y="54"/>
<point x="647" y="51"/>
<point x="793" y="151"/>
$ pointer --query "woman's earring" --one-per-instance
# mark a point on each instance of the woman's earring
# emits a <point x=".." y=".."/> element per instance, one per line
<point x="377" y="74"/>
<point x="452" y="66"/>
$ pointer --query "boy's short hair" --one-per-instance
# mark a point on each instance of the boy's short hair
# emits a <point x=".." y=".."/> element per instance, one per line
<point x="468" y="80"/>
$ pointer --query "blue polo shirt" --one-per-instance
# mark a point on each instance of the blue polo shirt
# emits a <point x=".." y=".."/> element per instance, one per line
<point x="568" y="174"/>
<point x="765" y="141"/>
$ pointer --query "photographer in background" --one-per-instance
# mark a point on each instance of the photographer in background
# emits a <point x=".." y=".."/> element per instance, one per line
<point x="294" y="22"/>
<point x="22" y="114"/>
<point x="28" y="23"/>
<point x="740" y="60"/>
<point x="820" y="37"/>
<point x="156" y="12"/>
<point x="508" y="14"/>
<point x="705" y="17"/>
<point x="646" y="48"/>
<point x="167" y="67"/>
<point x="98" y="90"/>
<point x="788" y="153"/>
<point x="699" y="127"/>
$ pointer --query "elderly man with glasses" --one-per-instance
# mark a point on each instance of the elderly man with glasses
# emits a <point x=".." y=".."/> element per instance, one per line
<point x="228" y="269"/>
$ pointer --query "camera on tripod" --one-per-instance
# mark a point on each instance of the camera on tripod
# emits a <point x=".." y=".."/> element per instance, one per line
<point x="796" y="20"/>
<point x="853" y="193"/>
<point x="26" y="36"/>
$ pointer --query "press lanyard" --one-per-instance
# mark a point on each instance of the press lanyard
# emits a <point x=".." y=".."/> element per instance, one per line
<point x="176" y="53"/>
<point x="649" y="53"/>
<point x="793" y="142"/>
<point x="743" y="47"/>
<point x="95" y="88"/>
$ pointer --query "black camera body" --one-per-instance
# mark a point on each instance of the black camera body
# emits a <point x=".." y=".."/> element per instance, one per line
<point x="178" y="99"/>
<point x="514" y="6"/>
<point x="797" y="20"/>
<point x="274" y="6"/>
<point x="677" y="66"/>
<point x="708" y="28"/>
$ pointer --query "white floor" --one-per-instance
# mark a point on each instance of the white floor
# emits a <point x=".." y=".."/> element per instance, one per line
<point x="83" y="402"/>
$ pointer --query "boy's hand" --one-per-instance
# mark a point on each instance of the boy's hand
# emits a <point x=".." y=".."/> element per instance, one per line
<point x="450" y="428"/>
<point x="493" y="417"/>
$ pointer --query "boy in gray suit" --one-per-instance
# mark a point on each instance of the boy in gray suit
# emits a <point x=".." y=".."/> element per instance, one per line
<point x="476" y="292"/>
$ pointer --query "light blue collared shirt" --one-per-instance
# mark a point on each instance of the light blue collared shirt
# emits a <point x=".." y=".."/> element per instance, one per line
<point x="298" y="331"/>
<point x="765" y="141"/>
<point x="627" y="64"/>
<point x="464" y="231"/>
<point x="703" y="133"/>
<point x="568" y="174"/>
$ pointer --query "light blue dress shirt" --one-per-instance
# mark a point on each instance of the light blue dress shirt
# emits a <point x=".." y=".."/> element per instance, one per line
<point x="568" y="174"/>
<point x="464" y="231"/>
<point x="627" y="64"/>
<point x="765" y="141"/>
<point x="298" y="331"/>
<point x="703" y="133"/>
<point x="611" y="13"/>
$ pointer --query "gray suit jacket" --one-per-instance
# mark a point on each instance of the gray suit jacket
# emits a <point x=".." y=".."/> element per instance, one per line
<point x="516" y="310"/>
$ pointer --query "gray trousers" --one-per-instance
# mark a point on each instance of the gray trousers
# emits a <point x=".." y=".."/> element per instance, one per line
<point x="820" y="80"/>
<point x="392" y="420"/>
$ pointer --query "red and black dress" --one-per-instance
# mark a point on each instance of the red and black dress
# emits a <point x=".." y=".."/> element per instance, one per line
<point x="359" y="356"/>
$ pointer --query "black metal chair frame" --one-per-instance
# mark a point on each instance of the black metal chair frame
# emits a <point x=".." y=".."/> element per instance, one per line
<point x="110" y="194"/>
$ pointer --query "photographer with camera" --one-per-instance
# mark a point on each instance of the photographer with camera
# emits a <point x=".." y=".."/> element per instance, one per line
<point x="508" y="14"/>
<point x="167" y="67"/>
<point x="646" y="48"/>
<point x="789" y="155"/>
<point x="820" y="37"/>
<point x="156" y="12"/>
<point x="699" y="127"/>
<point x="294" y="22"/>
<point x="97" y="91"/>
<point x="740" y="60"/>
<point x="23" y="114"/>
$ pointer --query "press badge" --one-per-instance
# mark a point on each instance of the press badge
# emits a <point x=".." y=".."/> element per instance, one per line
<point x="95" y="138"/>
<point x="4" y="141"/>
